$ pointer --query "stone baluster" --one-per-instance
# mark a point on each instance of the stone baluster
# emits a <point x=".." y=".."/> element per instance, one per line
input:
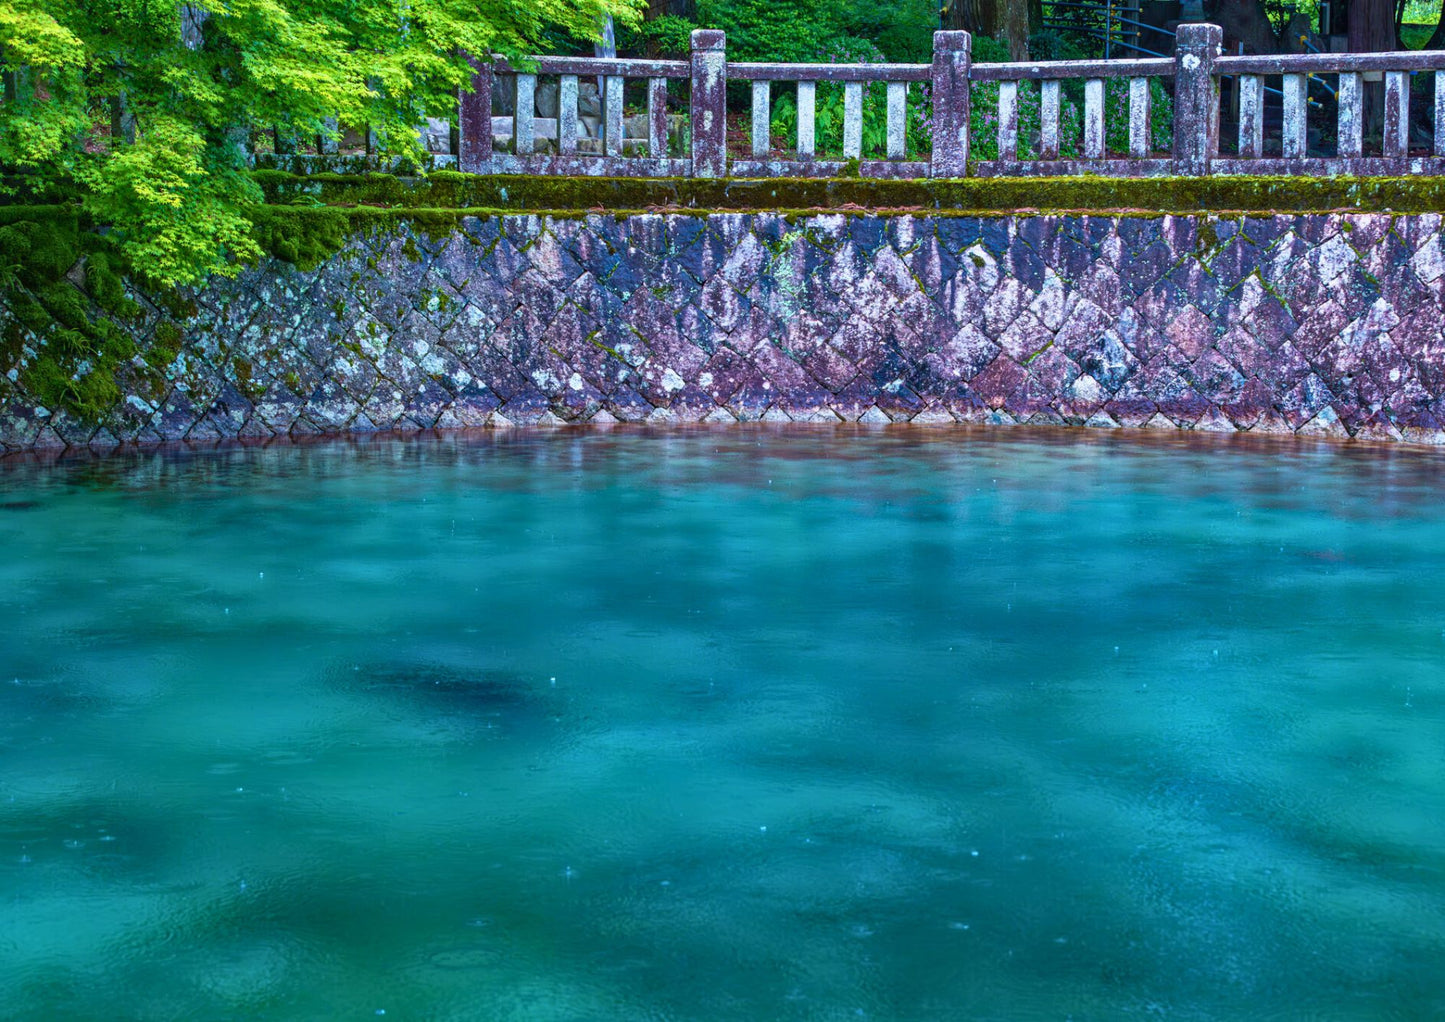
<point x="852" y="120"/>
<point x="612" y="115"/>
<point x="1049" y="120"/>
<point x="1350" y="124"/>
<point x="897" y="120"/>
<point x="807" y="112"/>
<point x="657" y="118"/>
<point x="1008" y="121"/>
<point x="1140" y="113"/>
<point x="1294" y="132"/>
<point x="1094" y="119"/>
<point x="567" y="114"/>
<point x="524" y="115"/>
<point x="1397" y="114"/>
<point x="1439" y="147"/>
<point x="475" y="116"/>
<point x="762" y="118"/>
<point x="709" y="103"/>
<point x="1196" y="97"/>
<point x="952" y="97"/>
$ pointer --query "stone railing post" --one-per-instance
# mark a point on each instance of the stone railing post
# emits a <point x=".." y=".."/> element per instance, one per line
<point x="1196" y="98"/>
<point x="709" y="103"/>
<point x="952" y="56"/>
<point x="474" y="147"/>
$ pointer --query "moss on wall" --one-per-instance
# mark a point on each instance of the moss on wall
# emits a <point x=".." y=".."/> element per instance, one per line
<point x="450" y="190"/>
<point x="65" y="291"/>
<point x="71" y="322"/>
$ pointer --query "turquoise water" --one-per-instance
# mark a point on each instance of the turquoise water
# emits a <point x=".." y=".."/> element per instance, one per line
<point x="725" y="724"/>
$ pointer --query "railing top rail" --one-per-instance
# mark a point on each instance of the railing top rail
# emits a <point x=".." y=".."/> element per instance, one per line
<point x="753" y="72"/>
<point x="1057" y="69"/>
<point x="605" y="66"/>
<point x="1329" y="63"/>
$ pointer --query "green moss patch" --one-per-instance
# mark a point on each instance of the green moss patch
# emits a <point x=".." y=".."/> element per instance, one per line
<point x="71" y="325"/>
<point x="523" y="193"/>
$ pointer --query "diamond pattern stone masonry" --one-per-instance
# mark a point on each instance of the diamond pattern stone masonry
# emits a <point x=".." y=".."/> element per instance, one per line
<point x="1330" y="323"/>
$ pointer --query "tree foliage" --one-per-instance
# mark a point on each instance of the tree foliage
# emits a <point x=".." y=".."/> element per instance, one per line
<point x="103" y="97"/>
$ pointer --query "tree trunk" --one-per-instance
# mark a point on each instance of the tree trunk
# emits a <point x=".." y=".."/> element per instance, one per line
<point x="1244" y="21"/>
<point x="1372" y="26"/>
<point x="1372" y="30"/>
<point x="1015" y="28"/>
<point x="976" y="16"/>
<point x="1004" y="20"/>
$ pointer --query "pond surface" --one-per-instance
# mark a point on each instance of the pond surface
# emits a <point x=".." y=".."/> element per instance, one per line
<point x="725" y="724"/>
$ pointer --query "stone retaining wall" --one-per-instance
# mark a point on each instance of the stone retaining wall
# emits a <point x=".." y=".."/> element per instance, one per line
<point x="1314" y="323"/>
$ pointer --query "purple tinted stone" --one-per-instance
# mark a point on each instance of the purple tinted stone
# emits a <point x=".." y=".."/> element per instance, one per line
<point x="1238" y="259"/>
<point x="1106" y="359"/>
<point x="1034" y="402"/>
<point x="1304" y="400"/>
<point x="998" y="381"/>
<point x="957" y="233"/>
<point x="722" y="304"/>
<point x="1100" y="285"/>
<point x="853" y="400"/>
<point x="1252" y="401"/>
<point x="785" y="375"/>
<point x="1191" y="331"/>
<point x="1130" y="406"/>
<point x="1145" y="267"/>
<point x="701" y="254"/>
<point x="1284" y="369"/>
<point x="1053" y="370"/>
<point x="1215" y="379"/>
<point x="1027" y="267"/>
<point x="426" y="406"/>
<point x="829" y="367"/>
<point x="993" y="235"/>
<point x="932" y="264"/>
<point x="1025" y="337"/>
<point x="752" y="400"/>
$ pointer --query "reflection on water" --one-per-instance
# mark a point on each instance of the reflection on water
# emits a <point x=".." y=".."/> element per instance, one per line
<point x="725" y="724"/>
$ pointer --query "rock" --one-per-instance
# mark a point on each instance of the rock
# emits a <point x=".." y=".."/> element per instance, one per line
<point x="504" y="96"/>
<point x="634" y="126"/>
<point x="547" y="99"/>
<point x="437" y="135"/>
<point x="589" y="102"/>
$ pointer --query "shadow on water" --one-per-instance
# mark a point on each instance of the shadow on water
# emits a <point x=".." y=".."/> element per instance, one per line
<point x="487" y="697"/>
<point x="24" y="699"/>
<point x="116" y="839"/>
